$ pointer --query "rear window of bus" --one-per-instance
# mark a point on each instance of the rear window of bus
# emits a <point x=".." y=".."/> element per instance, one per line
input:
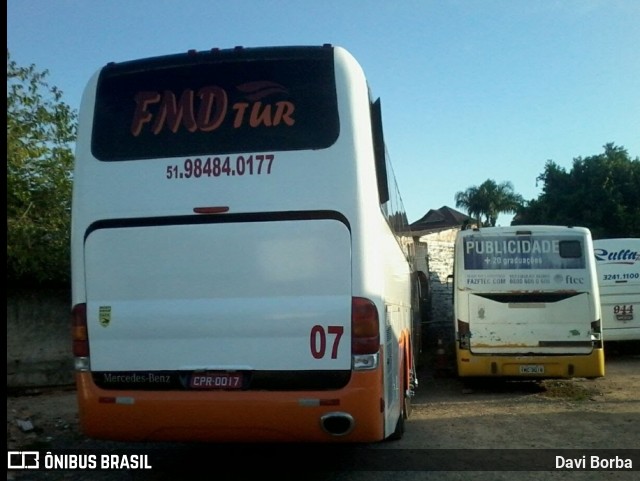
<point x="195" y="107"/>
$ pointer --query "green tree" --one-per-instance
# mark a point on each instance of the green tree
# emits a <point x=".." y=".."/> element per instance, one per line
<point x="40" y="131"/>
<point x="601" y="192"/>
<point x="471" y="201"/>
<point x="489" y="199"/>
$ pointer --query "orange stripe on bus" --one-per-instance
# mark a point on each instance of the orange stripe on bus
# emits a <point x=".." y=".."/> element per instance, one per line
<point x="216" y="416"/>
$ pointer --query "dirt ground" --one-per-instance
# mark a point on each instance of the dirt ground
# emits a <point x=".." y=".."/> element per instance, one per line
<point x="601" y="414"/>
<point x="571" y="414"/>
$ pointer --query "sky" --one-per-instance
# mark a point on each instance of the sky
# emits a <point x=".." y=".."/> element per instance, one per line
<point x="470" y="89"/>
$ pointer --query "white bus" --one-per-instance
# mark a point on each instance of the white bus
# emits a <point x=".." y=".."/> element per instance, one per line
<point x="237" y="270"/>
<point x="618" y="266"/>
<point x="526" y="303"/>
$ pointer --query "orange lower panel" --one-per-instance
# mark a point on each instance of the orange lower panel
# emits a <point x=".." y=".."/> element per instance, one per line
<point x="228" y="416"/>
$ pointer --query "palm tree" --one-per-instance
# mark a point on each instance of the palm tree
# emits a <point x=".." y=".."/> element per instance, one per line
<point x="470" y="200"/>
<point x="489" y="199"/>
<point x="501" y="199"/>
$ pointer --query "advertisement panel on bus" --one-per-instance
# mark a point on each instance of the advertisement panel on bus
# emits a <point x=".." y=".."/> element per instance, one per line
<point x="523" y="263"/>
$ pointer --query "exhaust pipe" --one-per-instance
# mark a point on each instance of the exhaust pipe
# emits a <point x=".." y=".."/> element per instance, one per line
<point x="337" y="424"/>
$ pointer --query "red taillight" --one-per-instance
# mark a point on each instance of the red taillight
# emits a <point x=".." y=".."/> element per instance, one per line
<point x="463" y="328"/>
<point x="79" y="331"/>
<point x="211" y="210"/>
<point x="365" y="326"/>
<point x="464" y="335"/>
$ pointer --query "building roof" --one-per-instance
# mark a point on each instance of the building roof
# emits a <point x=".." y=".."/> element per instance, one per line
<point x="441" y="219"/>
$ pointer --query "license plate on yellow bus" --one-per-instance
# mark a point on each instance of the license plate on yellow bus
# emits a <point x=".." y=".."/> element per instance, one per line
<point x="216" y="380"/>
<point x="532" y="369"/>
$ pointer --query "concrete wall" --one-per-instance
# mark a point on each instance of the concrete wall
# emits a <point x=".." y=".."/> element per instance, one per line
<point x="39" y="339"/>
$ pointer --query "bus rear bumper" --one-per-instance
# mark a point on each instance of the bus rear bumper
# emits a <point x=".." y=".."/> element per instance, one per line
<point x="539" y="366"/>
<point x="351" y="414"/>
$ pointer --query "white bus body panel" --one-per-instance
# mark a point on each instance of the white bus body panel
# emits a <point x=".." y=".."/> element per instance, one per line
<point x="217" y="296"/>
<point x="516" y="325"/>
<point x="618" y="266"/>
<point x="239" y="296"/>
<point x="498" y="327"/>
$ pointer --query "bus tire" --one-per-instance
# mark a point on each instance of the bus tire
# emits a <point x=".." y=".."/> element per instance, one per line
<point x="405" y="410"/>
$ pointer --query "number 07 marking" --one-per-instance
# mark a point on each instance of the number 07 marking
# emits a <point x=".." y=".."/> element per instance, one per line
<point x="318" y="340"/>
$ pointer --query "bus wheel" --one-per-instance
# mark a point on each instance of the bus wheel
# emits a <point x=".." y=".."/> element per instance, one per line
<point x="405" y="410"/>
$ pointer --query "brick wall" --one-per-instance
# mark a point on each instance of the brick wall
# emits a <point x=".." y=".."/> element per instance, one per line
<point x="438" y="250"/>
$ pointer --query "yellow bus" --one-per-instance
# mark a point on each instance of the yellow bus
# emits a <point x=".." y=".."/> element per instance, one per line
<point x="526" y="303"/>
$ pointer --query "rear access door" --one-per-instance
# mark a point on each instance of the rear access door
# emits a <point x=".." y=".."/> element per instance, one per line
<point x="542" y="324"/>
<point x="196" y="299"/>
